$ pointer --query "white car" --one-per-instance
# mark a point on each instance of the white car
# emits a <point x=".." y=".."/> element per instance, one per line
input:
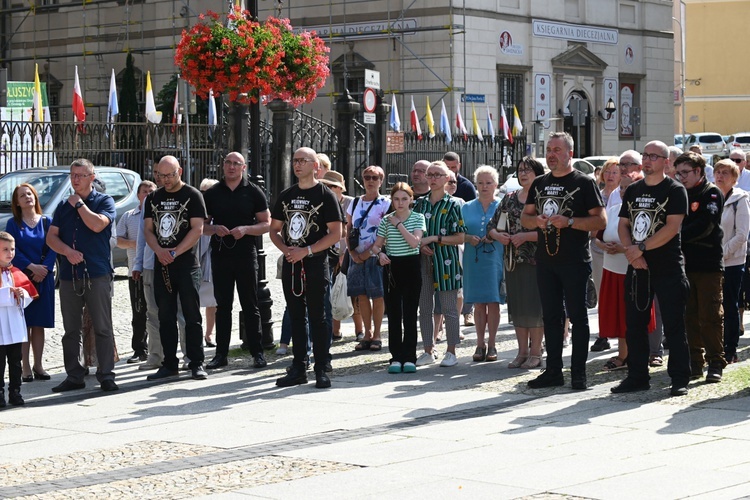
<point x="711" y="143"/>
<point x="740" y="140"/>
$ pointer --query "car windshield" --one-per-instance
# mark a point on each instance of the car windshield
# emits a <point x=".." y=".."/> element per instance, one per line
<point x="710" y="138"/>
<point x="45" y="183"/>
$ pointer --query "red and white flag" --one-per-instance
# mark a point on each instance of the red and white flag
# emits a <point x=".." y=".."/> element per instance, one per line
<point x="460" y="121"/>
<point x="79" y="111"/>
<point x="504" y="126"/>
<point x="176" y="106"/>
<point x="415" y="120"/>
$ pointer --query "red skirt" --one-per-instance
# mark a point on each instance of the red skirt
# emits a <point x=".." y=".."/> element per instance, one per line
<point x="612" y="306"/>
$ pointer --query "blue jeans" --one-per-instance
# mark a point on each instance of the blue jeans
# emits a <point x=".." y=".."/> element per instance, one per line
<point x="563" y="288"/>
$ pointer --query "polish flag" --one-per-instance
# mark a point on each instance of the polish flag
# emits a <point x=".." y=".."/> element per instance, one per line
<point x="79" y="111"/>
<point x="415" y="120"/>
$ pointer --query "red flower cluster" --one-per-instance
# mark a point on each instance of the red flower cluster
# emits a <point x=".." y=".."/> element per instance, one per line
<point x="247" y="60"/>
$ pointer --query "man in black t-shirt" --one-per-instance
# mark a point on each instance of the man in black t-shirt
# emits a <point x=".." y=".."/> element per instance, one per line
<point x="702" y="237"/>
<point x="306" y="222"/>
<point x="649" y="229"/>
<point x="237" y="213"/>
<point x="172" y="224"/>
<point x="563" y="206"/>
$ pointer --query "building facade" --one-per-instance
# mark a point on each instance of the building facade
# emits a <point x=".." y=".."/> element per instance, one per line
<point x="558" y="62"/>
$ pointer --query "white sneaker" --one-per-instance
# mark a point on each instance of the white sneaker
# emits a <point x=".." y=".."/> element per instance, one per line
<point x="281" y="351"/>
<point x="427" y="358"/>
<point x="449" y="359"/>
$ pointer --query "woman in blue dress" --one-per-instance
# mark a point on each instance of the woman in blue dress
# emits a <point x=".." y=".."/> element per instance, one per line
<point x="483" y="263"/>
<point x="29" y="227"/>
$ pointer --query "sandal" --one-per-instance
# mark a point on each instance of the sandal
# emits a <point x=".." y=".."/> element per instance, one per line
<point x="362" y="345"/>
<point x="376" y="345"/>
<point x="612" y="365"/>
<point x="532" y="362"/>
<point x="338" y="337"/>
<point x="517" y="362"/>
<point x="655" y="361"/>
<point x="491" y="354"/>
<point x="480" y="353"/>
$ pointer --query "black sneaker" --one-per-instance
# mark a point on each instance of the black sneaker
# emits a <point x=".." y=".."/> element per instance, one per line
<point x="678" y="390"/>
<point x="630" y="385"/>
<point x="601" y="344"/>
<point x="714" y="375"/>
<point x="321" y="380"/>
<point x="548" y="378"/>
<point x="578" y="381"/>
<point x="260" y="361"/>
<point x="294" y="377"/>
<point x="163" y="372"/>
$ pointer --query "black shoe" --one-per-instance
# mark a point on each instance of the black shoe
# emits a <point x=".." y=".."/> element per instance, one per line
<point x="14" y="398"/>
<point x="578" y="382"/>
<point x="199" y="373"/>
<point x="321" y="380"/>
<point x="66" y="385"/>
<point x="678" y="390"/>
<point x="714" y="375"/>
<point x="218" y="361"/>
<point x="40" y="376"/>
<point x="601" y="344"/>
<point x="292" y="378"/>
<point x="109" y="385"/>
<point x="548" y="378"/>
<point x="28" y="379"/>
<point x="163" y="372"/>
<point x="137" y="358"/>
<point x="260" y="361"/>
<point x="630" y="385"/>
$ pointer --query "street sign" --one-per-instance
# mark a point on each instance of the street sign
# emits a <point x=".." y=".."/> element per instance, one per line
<point x="478" y="98"/>
<point x="370" y="100"/>
<point x="370" y="119"/>
<point x="372" y="79"/>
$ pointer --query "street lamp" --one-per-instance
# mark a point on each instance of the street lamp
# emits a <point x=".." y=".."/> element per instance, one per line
<point x="609" y="108"/>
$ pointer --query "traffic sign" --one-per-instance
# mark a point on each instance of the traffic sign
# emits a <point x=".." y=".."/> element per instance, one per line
<point x="370" y="100"/>
<point x="370" y="119"/>
<point x="372" y="79"/>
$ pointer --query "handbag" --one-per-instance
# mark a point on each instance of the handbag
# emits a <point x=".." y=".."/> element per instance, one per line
<point x="341" y="303"/>
<point x="45" y="249"/>
<point x="591" y="298"/>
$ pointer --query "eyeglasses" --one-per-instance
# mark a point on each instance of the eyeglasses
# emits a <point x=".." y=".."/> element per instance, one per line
<point x="233" y="163"/>
<point x="434" y="175"/>
<point x="80" y="176"/>
<point x="452" y="182"/>
<point x="683" y="173"/>
<point x="652" y="156"/>
<point x="371" y="177"/>
<point x="299" y="161"/>
<point x="525" y="170"/>
<point x="170" y="175"/>
<point x="633" y="164"/>
<point x="486" y="248"/>
<point x="737" y="160"/>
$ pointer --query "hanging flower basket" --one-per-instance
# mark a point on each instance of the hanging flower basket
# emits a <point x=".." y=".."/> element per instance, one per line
<point x="246" y="59"/>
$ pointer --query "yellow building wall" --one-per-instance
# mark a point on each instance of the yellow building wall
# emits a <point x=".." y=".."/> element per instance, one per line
<point x="717" y="93"/>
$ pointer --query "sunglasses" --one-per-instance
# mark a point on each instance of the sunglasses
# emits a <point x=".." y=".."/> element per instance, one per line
<point x="452" y="182"/>
<point x="737" y="160"/>
<point x="371" y="177"/>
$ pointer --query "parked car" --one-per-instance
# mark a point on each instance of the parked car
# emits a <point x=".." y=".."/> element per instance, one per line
<point x="598" y="161"/>
<point x="710" y="142"/>
<point x="53" y="186"/>
<point x="740" y="140"/>
<point x="678" y="140"/>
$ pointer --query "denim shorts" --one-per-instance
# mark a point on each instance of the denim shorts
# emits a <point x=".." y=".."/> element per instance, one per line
<point x="365" y="279"/>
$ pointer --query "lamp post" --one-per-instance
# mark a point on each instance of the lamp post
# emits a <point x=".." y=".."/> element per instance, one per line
<point x="682" y="73"/>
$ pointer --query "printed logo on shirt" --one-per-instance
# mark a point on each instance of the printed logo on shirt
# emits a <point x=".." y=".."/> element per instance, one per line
<point x="300" y="214"/>
<point x="646" y="217"/>
<point x="554" y="200"/>
<point x="170" y="217"/>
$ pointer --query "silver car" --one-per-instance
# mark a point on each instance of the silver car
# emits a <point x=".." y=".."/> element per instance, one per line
<point x="53" y="186"/>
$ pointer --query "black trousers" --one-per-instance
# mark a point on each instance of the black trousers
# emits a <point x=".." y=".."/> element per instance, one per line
<point x="672" y="292"/>
<point x="563" y="288"/>
<point x="139" y="341"/>
<point x="185" y="283"/>
<point x="305" y="292"/>
<point x="402" y="282"/>
<point x="242" y="272"/>
<point x="11" y="352"/>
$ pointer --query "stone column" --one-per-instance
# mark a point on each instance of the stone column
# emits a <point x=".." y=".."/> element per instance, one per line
<point x="346" y="109"/>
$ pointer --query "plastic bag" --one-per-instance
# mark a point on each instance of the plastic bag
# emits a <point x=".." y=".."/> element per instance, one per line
<point x="341" y="303"/>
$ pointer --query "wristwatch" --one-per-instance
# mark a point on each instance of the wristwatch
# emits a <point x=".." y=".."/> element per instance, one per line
<point x="78" y="204"/>
<point x="309" y="251"/>
<point x="570" y="222"/>
<point x="642" y="246"/>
